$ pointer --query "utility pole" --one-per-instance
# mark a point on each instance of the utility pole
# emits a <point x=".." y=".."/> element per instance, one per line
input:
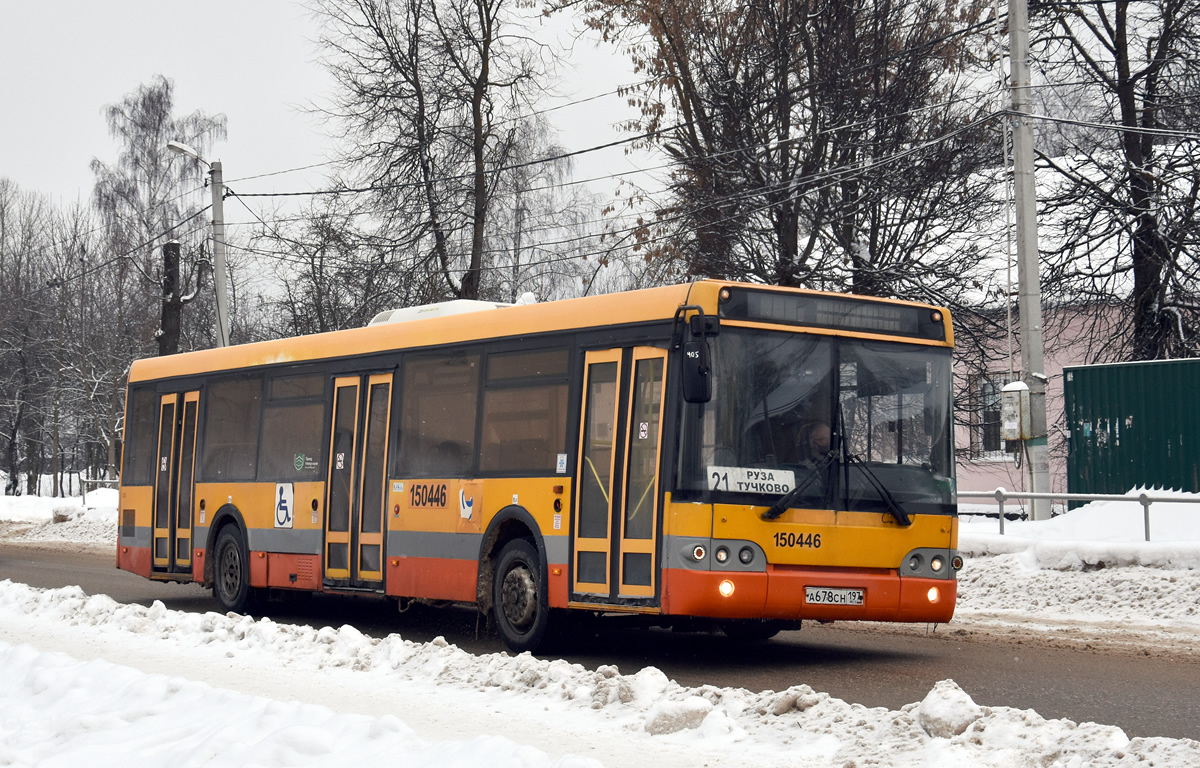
<point x="1033" y="363"/>
<point x="172" y="303"/>
<point x="220" y="274"/>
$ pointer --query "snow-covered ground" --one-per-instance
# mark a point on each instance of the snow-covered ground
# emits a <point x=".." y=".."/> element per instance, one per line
<point x="87" y="679"/>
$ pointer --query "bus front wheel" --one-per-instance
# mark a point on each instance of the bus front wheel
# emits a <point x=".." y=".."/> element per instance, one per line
<point x="519" y="602"/>
<point x="231" y="576"/>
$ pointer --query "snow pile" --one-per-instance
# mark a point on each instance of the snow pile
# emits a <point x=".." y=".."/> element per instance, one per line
<point x="947" y="711"/>
<point x="1080" y="568"/>
<point x="41" y="519"/>
<point x="1110" y="597"/>
<point x="55" y="708"/>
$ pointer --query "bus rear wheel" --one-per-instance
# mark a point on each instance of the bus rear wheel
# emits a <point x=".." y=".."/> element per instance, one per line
<point x="231" y="572"/>
<point x="519" y="603"/>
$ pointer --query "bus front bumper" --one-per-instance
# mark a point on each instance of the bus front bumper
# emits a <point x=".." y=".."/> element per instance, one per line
<point x="792" y="592"/>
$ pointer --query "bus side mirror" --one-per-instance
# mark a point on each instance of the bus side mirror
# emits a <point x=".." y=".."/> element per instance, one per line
<point x="697" y="372"/>
<point x="695" y="356"/>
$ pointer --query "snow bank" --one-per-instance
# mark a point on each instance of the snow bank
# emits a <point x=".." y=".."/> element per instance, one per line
<point x="43" y="519"/>
<point x="56" y="709"/>
<point x="1114" y="598"/>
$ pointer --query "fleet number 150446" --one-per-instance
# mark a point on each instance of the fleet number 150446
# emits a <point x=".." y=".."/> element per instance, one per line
<point x="793" y="539"/>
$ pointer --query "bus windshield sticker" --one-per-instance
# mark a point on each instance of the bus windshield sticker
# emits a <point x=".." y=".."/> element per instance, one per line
<point x="749" y="480"/>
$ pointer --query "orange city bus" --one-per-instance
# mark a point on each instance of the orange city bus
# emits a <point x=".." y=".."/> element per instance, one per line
<point x="712" y="453"/>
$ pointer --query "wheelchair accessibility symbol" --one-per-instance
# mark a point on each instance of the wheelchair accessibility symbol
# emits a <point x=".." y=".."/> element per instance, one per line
<point x="284" y="505"/>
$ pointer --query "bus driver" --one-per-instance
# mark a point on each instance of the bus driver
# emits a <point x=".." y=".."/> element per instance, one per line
<point x="814" y="442"/>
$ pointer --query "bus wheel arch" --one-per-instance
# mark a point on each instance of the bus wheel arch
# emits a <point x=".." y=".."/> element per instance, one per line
<point x="512" y="549"/>
<point x="227" y="515"/>
<point x="229" y="564"/>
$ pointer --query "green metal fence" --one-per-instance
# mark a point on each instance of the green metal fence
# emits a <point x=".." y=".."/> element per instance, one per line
<point x="1133" y="425"/>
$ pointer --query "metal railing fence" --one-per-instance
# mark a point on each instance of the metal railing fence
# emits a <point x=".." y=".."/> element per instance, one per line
<point x="1001" y="495"/>
<point x="85" y="482"/>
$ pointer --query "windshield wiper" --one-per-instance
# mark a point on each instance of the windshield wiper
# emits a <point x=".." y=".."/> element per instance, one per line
<point x="780" y="506"/>
<point x="892" y="507"/>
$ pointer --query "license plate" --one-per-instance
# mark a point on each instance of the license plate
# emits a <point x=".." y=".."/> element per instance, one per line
<point x="829" y="596"/>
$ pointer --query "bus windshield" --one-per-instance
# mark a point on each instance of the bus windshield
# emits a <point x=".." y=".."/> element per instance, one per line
<point x="849" y="424"/>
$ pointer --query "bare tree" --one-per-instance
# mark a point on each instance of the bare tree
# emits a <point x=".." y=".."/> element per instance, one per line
<point x="27" y="324"/>
<point x="332" y="273"/>
<point x="143" y="199"/>
<point x="425" y="90"/>
<point x="545" y="231"/>
<point x="1125" y="80"/>
<point x="821" y="144"/>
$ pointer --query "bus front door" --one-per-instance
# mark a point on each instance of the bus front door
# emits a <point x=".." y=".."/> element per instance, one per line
<point x="617" y="528"/>
<point x="355" y="492"/>
<point x="174" y="482"/>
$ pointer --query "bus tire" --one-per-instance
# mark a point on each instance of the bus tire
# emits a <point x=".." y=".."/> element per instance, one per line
<point x="519" y="601"/>
<point x="231" y="574"/>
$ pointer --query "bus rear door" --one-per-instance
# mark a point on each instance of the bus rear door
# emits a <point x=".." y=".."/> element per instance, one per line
<point x="174" y="482"/>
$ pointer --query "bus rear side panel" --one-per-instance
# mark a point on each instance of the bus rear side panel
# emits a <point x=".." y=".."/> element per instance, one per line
<point x="135" y="530"/>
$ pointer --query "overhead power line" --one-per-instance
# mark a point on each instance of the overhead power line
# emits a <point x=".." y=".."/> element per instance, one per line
<point x="123" y="255"/>
<point x="812" y="184"/>
<point x="1117" y="127"/>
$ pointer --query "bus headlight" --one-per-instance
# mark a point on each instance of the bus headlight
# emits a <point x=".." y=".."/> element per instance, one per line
<point x="722" y="554"/>
<point x="934" y="594"/>
<point x="936" y="563"/>
<point x="725" y="588"/>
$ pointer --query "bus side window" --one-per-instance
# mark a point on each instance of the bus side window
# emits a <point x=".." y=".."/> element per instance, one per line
<point x="292" y="435"/>
<point x="440" y="397"/>
<point x="524" y="429"/>
<point x="139" y="438"/>
<point x="525" y="411"/>
<point x="233" y="409"/>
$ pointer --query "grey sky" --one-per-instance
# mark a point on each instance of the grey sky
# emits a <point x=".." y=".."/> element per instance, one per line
<point x="62" y="61"/>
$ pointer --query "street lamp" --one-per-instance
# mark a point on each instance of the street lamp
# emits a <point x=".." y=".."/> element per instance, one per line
<point x="218" y="223"/>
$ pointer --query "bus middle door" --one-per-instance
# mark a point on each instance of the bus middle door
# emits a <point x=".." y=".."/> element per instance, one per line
<point x="355" y="492"/>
